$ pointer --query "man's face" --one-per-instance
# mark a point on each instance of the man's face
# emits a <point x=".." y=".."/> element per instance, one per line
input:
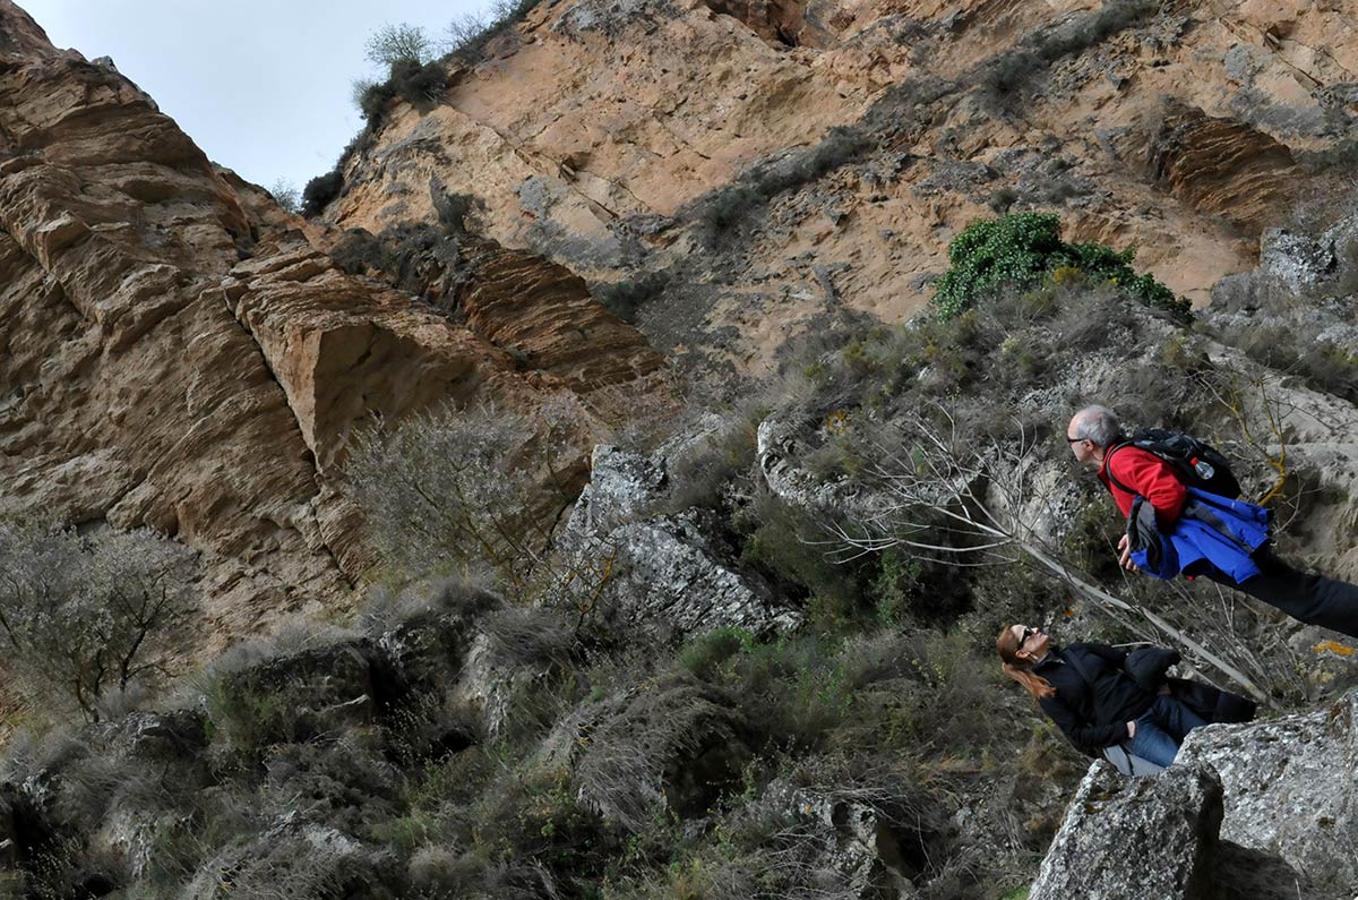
<point x="1083" y="448"/>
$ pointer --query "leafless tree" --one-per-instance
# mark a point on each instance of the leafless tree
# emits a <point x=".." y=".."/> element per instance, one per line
<point x="392" y="44"/>
<point x="86" y="615"/>
<point x="481" y="486"/>
<point x="285" y="194"/>
<point x="948" y="497"/>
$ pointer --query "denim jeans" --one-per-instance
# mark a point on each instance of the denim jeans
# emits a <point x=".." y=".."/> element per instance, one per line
<point x="1161" y="730"/>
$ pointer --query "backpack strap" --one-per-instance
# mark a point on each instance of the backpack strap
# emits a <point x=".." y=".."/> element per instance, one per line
<point x="1108" y="467"/>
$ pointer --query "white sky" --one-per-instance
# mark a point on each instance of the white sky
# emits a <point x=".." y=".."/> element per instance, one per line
<point x="263" y="86"/>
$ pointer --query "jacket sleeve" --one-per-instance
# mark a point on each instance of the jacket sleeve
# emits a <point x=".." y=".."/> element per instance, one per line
<point x="1087" y="737"/>
<point x="1148" y="665"/>
<point x="1149" y="476"/>
<point x="1114" y="655"/>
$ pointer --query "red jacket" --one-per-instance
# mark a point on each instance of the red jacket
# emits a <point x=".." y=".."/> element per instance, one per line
<point x="1148" y="475"/>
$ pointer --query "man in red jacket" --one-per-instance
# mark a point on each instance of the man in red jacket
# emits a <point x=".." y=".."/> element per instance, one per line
<point x="1094" y="435"/>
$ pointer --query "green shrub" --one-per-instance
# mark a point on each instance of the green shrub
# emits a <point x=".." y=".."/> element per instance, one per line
<point x="1021" y="250"/>
<point x="373" y="99"/>
<point x="793" y="691"/>
<point x="320" y="190"/>
<point x="910" y="589"/>
<point x="418" y="82"/>
<point x="782" y="540"/>
<point x="625" y="298"/>
<point x="700" y="477"/>
<point x="703" y="654"/>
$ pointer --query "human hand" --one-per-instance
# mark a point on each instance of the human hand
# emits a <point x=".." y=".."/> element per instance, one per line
<point x="1131" y="729"/>
<point x="1125" y="554"/>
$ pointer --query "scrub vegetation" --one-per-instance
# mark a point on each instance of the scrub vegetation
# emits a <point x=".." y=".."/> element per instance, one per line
<point x="489" y="725"/>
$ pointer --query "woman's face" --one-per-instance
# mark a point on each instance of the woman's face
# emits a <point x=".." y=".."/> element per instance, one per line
<point x="1032" y="641"/>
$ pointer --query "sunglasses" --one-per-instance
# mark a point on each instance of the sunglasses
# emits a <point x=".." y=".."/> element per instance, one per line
<point x="1027" y="633"/>
<point x="1071" y="440"/>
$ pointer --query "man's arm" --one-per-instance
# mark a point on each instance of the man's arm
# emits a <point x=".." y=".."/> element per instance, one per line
<point x="1149" y="476"/>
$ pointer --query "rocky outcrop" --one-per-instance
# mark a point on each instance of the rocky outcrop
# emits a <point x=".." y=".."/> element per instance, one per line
<point x="1151" y="837"/>
<point x="129" y="392"/>
<point x="544" y="313"/>
<point x="588" y="140"/>
<point x="1257" y="810"/>
<point x="1221" y="166"/>
<point x="1291" y="789"/>
<point x="537" y="311"/>
<point x="344" y="352"/>
<point x="663" y="572"/>
<point x="779" y="443"/>
<point x="1305" y="264"/>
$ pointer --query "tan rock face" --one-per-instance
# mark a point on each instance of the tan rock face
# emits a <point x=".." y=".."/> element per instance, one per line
<point x="600" y="112"/>
<point x="594" y="133"/>
<point x="175" y="354"/>
<point x="130" y="393"/>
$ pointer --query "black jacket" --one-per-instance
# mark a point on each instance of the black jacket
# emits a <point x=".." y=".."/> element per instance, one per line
<point x="1092" y="718"/>
<point x="1148" y="665"/>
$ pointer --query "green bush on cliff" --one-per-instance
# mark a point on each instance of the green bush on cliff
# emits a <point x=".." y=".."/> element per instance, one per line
<point x="1021" y="250"/>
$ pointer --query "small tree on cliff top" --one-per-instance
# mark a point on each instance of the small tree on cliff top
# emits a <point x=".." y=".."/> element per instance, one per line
<point x="392" y="44"/>
<point x="1022" y="250"/>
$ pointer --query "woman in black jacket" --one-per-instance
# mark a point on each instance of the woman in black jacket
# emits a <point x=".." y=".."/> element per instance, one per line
<point x="1087" y="691"/>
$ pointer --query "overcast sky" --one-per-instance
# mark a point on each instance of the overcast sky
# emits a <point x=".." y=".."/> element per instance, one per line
<point x="263" y="86"/>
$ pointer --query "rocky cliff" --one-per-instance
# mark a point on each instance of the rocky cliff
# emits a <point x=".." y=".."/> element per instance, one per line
<point x="726" y="671"/>
<point x="780" y="161"/>
<point x="181" y="354"/>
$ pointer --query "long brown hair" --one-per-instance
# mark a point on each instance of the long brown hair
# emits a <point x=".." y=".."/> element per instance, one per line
<point x="1020" y="670"/>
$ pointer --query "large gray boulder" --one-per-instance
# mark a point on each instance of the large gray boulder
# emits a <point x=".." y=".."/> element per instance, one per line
<point x="1291" y="789"/>
<point x="1301" y="262"/>
<point x="1139" y="837"/>
<point x="1259" y="810"/>
<point x="780" y="444"/>
<point x="664" y="572"/>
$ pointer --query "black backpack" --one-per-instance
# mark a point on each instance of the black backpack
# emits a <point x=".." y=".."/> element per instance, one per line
<point x="1195" y="463"/>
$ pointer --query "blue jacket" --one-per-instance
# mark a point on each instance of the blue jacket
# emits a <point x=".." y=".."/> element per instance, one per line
<point x="1222" y="531"/>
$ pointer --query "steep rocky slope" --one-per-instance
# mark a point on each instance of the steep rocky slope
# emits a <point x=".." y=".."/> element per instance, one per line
<point x="706" y="704"/>
<point x="612" y="137"/>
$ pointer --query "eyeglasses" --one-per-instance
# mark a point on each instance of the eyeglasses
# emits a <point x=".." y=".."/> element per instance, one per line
<point x="1075" y="440"/>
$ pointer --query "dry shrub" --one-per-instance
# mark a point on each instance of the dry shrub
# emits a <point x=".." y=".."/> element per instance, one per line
<point x="89" y="614"/>
<point x="458" y="490"/>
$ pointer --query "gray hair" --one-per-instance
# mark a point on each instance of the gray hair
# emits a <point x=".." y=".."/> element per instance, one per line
<point x="1097" y="424"/>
